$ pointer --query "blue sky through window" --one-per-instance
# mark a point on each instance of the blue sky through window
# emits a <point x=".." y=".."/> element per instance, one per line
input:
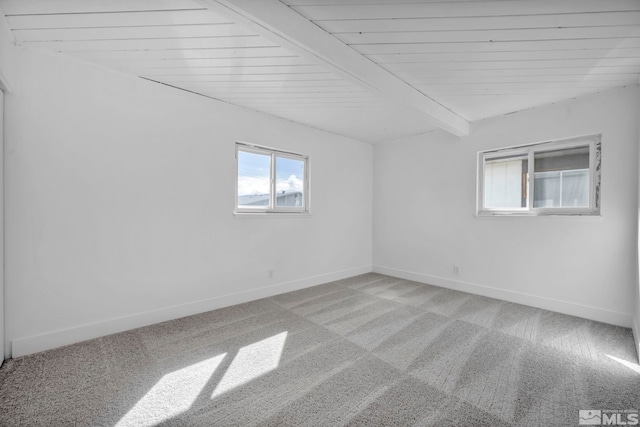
<point x="289" y="173"/>
<point x="254" y="174"/>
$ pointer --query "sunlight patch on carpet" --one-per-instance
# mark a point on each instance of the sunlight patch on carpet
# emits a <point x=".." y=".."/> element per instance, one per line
<point x="251" y="362"/>
<point x="633" y="366"/>
<point x="172" y="395"/>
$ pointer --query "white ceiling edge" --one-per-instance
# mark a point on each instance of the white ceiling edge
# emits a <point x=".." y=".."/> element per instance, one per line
<point x="563" y="101"/>
<point x="481" y="122"/>
<point x="7" y="43"/>
<point x="281" y="24"/>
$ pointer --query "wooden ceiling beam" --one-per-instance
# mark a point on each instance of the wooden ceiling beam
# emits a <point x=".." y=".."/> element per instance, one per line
<point x="284" y="26"/>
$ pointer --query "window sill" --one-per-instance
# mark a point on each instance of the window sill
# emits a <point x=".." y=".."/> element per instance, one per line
<point x="271" y="214"/>
<point x="567" y="217"/>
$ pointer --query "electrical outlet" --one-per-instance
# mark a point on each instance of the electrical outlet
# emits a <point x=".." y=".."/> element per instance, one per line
<point x="456" y="270"/>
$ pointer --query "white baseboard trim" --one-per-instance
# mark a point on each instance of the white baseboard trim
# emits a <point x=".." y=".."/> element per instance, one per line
<point x="49" y="340"/>
<point x="636" y="335"/>
<point x="565" y="307"/>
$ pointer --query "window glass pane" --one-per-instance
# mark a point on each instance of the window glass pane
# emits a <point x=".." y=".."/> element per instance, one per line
<point x="562" y="160"/>
<point x="561" y="178"/>
<point x="575" y="188"/>
<point x="254" y="175"/>
<point x="289" y="182"/>
<point x="546" y="190"/>
<point x="505" y="183"/>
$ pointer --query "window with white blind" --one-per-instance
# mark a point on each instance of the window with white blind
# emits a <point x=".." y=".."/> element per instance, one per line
<point x="551" y="178"/>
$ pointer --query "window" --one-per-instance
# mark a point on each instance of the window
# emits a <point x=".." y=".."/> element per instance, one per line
<point x="559" y="177"/>
<point x="271" y="180"/>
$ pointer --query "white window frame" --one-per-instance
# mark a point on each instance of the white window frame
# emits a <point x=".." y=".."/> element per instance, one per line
<point x="529" y="151"/>
<point x="272" y="208"/>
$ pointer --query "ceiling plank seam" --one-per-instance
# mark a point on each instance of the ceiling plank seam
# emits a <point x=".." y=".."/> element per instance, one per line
<point x="284" y="26"/>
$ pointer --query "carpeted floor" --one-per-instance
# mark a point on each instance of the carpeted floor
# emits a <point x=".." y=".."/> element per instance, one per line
<point x="369" y="350"/>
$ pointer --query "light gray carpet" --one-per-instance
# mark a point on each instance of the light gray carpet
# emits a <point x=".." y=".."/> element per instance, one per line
<point x="369" y="350"/>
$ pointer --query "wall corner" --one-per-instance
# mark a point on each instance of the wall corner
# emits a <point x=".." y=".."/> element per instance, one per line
<point x="7" y="55"/>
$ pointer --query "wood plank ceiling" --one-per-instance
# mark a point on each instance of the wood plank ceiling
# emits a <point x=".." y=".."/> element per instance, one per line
<point x="487" y="58"/>
<point x="476" y="58"/>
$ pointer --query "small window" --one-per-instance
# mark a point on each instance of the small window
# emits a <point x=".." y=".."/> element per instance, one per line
<point x="559" y="177"/>
<point x="270" y="180"/>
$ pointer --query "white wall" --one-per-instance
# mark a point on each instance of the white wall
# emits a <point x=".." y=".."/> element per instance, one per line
<point x="2" y="335"/>
<point x="119" y="200"/>
<point x="424" y="205"/>
<point x="7" y="73"/>
<point x="636" y="317"/>
<point x="7" y="52"/>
